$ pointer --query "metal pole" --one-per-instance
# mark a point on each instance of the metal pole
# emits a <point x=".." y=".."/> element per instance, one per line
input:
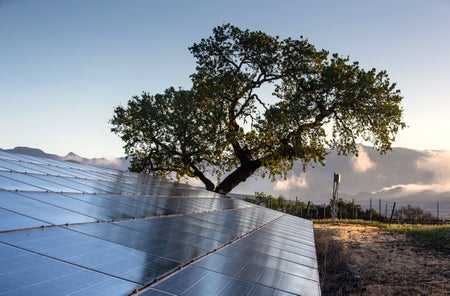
<point x="336" y="181"/>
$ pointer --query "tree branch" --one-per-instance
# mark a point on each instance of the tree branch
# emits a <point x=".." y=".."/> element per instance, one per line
<point x="220" y="51"/>
<point x="209" y="185"/>
<point x="255" y="96"/>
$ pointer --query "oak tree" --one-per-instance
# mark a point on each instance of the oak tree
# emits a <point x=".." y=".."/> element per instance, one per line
<point x="258" y="104"/>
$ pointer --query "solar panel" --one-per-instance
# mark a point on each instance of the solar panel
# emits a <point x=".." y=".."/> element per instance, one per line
<point x="27" y="273"/>
<point x="67" y="228"/>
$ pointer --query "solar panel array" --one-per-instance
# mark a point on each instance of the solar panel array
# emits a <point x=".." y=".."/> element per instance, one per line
<point x="72" y="229"/>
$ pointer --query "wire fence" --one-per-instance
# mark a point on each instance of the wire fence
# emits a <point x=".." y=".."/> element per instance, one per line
<point x="409" y="211"/>
<point x="404" y="211"/>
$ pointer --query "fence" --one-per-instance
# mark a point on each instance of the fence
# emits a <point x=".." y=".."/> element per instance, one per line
<point x="403" y="211"/>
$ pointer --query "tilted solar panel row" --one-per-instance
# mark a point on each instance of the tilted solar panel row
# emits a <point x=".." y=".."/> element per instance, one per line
<point x="71" y="229"/>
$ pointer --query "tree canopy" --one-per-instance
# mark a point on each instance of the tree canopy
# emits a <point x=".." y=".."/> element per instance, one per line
<point x="258" y="104"/>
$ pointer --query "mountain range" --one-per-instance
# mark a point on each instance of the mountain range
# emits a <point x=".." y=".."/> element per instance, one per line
<point x="120" y="163"/>
<point x="399" y="175"/>
<point x="404" y="176"/>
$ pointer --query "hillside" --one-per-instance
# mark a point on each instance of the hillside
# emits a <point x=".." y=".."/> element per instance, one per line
<point x="117" y="163"/>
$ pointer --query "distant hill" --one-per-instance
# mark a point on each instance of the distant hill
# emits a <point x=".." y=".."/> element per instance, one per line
<point x="117" y="163"/>
<point x="33" y="152"/>
<point x="402" y="174"/>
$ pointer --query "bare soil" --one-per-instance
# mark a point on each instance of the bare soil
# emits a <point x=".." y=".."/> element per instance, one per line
<point x="365" y="260"/>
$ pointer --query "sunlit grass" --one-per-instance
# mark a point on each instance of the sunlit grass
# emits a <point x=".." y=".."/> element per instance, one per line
<point x="351" y="221"/>
<point x="436" y="235"/>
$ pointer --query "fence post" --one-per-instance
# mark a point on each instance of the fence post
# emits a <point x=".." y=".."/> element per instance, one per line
<point x="353" y="208"/>
<point x="307" y="209"/>
<point x="438" y="211"/>
<point x="379" y="206"/>
<point x="370" y="210"/>
<point x="392" y="213"/>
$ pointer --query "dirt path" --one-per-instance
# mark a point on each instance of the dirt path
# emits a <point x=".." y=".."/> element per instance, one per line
<point x="364" y="260"/>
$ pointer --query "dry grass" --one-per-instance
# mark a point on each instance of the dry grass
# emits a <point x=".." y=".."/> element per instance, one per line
<point x="366" y="260"/>
<point x="335" y="275"/>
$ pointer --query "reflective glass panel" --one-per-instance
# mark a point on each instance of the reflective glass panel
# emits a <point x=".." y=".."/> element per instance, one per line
<point x="80" y="206"/>
<point x="11" y="184"/>
<point x="12" y="221"/>
<point x="36" y="181"/>
<point x="133" y="229"/>
<point x="17" y="167"/>
<point x="20" y="204"/>
<point x="93" y="253"/>
<point x="25" y="273"/>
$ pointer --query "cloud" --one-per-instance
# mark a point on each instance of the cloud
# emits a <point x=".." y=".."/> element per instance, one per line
<point x="293" y="182"/>
<point x="438" y="163"/>
<point x="403" y="189"/>
<point x="362" y="162"/>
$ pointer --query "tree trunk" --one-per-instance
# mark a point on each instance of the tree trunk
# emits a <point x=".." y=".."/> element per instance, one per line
<point x="239" y="175"/>
<point x="209" y="185"/>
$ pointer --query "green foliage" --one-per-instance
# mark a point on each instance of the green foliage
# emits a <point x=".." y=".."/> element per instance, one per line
<point x="280" y="203"/>
<point x="169" y="132"/>
<point x="226" y="123"/>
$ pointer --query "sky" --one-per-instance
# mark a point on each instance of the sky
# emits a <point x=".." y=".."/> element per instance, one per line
<point x="65" y="65"/>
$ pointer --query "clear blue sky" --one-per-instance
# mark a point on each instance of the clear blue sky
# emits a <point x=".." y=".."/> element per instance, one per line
<point x="65" y="65"/>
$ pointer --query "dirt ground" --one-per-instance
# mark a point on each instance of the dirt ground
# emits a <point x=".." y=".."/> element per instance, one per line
<point x="364" y="260"/>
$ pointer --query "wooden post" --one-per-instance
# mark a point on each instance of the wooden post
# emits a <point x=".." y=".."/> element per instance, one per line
<point x="353" y="209"/>
<point x="392" y="213"/>
<point x="437" y="210"/>
<point x="336" y="181"/>
<point x="307" y="209"/>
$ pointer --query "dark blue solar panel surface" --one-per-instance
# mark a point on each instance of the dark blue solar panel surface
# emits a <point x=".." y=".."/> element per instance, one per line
<point x="67" y="228"/>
